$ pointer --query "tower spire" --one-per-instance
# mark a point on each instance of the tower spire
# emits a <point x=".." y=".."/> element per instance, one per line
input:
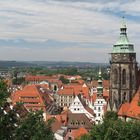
<point x="100" y="87"/>
<point x="123" y="45"/>
<point x="123" y="27"/>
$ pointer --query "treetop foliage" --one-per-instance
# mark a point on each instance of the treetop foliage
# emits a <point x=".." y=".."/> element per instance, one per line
<point x="114" y="129"/>
<point x="15" y="127"/>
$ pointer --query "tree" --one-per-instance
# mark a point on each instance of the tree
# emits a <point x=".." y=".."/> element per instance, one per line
<point x="8" y="122"/>
<point x="3" y="92"/>
<point x="64" y="80"/>
<point x="115" y="129"/>
<point x="34" y="128"/>
<point x="85" y="137"/>
<point x="13" y="127"/>
<point x="18" y="81"/>
<point x="110" y="116"/>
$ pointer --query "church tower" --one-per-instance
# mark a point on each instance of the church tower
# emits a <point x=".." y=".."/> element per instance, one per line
<point x="123" y="70"/>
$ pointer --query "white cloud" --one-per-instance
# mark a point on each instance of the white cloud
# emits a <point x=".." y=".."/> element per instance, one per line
<point x="84" y="22"/>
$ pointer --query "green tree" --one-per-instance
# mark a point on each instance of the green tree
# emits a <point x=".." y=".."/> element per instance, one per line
<point x="34" y="128"/>
<point x="3" y="92"/>
<point x="8" y="123"/>
<point x="115" y="129"/>
<point x="64" y="80"/>
<point x="18" y="81"/>
<point x="85" y="137"/>
<point x="13" y="127"/>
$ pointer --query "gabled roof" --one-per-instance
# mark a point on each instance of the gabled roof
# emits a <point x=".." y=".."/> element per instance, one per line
<point x="76" y="121"/>
<point x="32" y="97"/>
<point x="77" y="88"/>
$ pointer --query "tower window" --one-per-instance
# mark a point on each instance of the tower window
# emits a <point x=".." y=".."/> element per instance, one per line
<point x="115" y="76"/>
<point x="124" y="77"/>
<point x="124" y="96"/>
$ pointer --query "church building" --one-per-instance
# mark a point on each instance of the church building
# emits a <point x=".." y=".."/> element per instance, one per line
<point x="123" y="71"/>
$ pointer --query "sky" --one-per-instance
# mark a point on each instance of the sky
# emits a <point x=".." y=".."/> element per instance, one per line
<point x="65" y="30"/>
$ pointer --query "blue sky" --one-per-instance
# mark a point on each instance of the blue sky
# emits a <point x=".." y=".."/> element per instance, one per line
<point x="65" y="30"/>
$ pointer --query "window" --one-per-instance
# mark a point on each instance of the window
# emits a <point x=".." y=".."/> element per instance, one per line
<point x="99" y="114"/>
<point x="69" y="138"/>
<point x="115" y="76"/>
<point x="124" y="96"/>
<point x="124" y="77"/>
<point x="74" y="108"/>
<point x="94" y="108"/>
<point x="78" y="109"/>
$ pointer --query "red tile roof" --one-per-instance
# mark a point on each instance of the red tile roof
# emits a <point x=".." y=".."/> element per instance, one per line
<point x="59" y="120"/>
<point x="105" y="83"/>
<point x="131" y="110"/>
<point x="30" y="96"/>
<point x="123" y="110"/>
<point x="105" y="95"/>
<point x="79" y="132"/>
<point x="76" y="88"/>
<point x="66" y="91"/>
<point x="90" y="110"/>
<point x="51" y="79"/>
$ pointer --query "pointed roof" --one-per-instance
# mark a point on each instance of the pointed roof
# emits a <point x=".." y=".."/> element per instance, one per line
<point x="108" y="107"/>
<point x="100" y="87"/>
<point x="123" y="45"/>
<point x="114" y="107"/>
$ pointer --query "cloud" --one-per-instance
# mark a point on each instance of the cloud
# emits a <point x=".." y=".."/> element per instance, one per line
<point x="71" y="26"/>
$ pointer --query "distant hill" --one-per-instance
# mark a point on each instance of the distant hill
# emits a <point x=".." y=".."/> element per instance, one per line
<point x="49" y="64"/>
<point x="12" y="64"/>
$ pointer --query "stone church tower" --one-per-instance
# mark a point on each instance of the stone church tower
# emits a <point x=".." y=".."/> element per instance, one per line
<point x="123" y="70"/>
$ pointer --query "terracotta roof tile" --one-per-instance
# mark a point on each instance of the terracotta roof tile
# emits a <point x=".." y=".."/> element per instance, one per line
<point x="123" y="109"/>
<point x="30" y="96"/>
<point x="79" y="132"/>
<point x="131" y="110"/>
<point x="79" y="120"/>
<point x="89" y="110"/>
<point x="78" y="88"/>
<point x="66" y="91"/>
<point x="105" y="83"/>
